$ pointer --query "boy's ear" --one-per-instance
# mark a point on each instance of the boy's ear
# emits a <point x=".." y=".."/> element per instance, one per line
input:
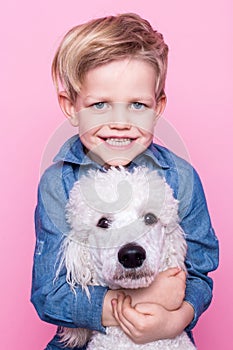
<point x="160" y="106"/>
<point x="68" y="108"/>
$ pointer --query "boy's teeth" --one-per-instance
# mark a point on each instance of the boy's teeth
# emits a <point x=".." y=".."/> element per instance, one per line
<point x="118" y="141"/>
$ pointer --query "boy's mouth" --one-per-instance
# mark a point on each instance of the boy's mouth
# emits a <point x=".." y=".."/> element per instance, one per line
<point x="118" y="141"/>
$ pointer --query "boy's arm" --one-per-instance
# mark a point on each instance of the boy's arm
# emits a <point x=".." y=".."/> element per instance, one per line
<point x="203" y="251"/>
<point x="52" y="298"/>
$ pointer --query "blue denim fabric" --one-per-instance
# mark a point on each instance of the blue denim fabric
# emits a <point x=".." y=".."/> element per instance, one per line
<point x="52" y="298"/>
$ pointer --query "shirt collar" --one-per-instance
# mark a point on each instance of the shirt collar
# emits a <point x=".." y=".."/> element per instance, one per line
<point x="154" y="154"/>
<point x="72" y="152"/>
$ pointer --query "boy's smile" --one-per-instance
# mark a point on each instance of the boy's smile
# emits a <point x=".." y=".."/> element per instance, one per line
<point x="116" y="110"/>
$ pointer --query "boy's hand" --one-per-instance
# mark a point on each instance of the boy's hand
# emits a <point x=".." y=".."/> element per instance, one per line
<point x="142" y="323"/>
<point x="168" y="290"/>
<point x="146" y="322"/>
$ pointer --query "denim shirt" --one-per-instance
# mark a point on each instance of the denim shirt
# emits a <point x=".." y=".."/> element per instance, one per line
<point x="52" y="298"/>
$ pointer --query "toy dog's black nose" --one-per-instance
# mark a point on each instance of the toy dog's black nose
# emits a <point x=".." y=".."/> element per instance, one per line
<point x="131" y="255"/>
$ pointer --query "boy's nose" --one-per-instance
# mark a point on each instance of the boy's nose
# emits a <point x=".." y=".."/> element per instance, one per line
<point x="119" y="125"/>
<point x="119" y="117"/>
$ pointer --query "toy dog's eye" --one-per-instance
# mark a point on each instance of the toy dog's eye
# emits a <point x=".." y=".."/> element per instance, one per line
<point x="104" y="223"/>
<point x="150" y="219"/>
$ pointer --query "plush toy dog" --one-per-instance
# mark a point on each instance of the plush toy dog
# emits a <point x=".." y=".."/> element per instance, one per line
<point x="124" y="230"/>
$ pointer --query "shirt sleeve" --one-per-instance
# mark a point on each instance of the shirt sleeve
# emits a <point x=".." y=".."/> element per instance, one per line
<point x="203" y="251"/>
<point x="52" y="297"/>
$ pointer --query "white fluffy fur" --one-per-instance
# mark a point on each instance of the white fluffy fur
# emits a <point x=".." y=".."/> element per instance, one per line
<point x="90" y="253"/>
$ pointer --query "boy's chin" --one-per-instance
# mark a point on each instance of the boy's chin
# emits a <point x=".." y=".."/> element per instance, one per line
<point x="115" y="157"/>
<point x="108" y="160"/>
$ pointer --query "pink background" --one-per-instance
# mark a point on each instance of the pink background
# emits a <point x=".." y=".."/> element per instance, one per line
<point x="200" y="109"/>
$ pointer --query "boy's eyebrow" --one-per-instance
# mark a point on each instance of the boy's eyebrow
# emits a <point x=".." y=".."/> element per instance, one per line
<point x="103" y="98"/>
<point x="148" y="99"/>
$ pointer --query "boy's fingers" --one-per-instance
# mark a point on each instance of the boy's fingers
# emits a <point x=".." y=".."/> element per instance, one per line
<point x="119" y="306"/>
<point x="132" y="317"/>
<point x="124" y="308"/>
<point x="115" y="313"/>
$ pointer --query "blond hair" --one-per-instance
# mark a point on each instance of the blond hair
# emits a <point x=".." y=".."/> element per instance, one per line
<point x="104" y="40"/>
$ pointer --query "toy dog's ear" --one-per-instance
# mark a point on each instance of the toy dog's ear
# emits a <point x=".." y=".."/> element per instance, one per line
<point x="76" y="259"/>
<point x="175" y="247"/>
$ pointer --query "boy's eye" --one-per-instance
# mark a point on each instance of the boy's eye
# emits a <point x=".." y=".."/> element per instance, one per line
<point x="100" y="105"/>
<point x="138" y="105"/>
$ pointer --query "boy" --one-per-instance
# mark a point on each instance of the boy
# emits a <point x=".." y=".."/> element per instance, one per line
<point x="112" y="72"/>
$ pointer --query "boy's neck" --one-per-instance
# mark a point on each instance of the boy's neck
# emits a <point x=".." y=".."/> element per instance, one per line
<point x="100" y="161"/>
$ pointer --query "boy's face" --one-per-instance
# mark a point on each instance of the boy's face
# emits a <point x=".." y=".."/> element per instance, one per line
<point x="116" y="111"/>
